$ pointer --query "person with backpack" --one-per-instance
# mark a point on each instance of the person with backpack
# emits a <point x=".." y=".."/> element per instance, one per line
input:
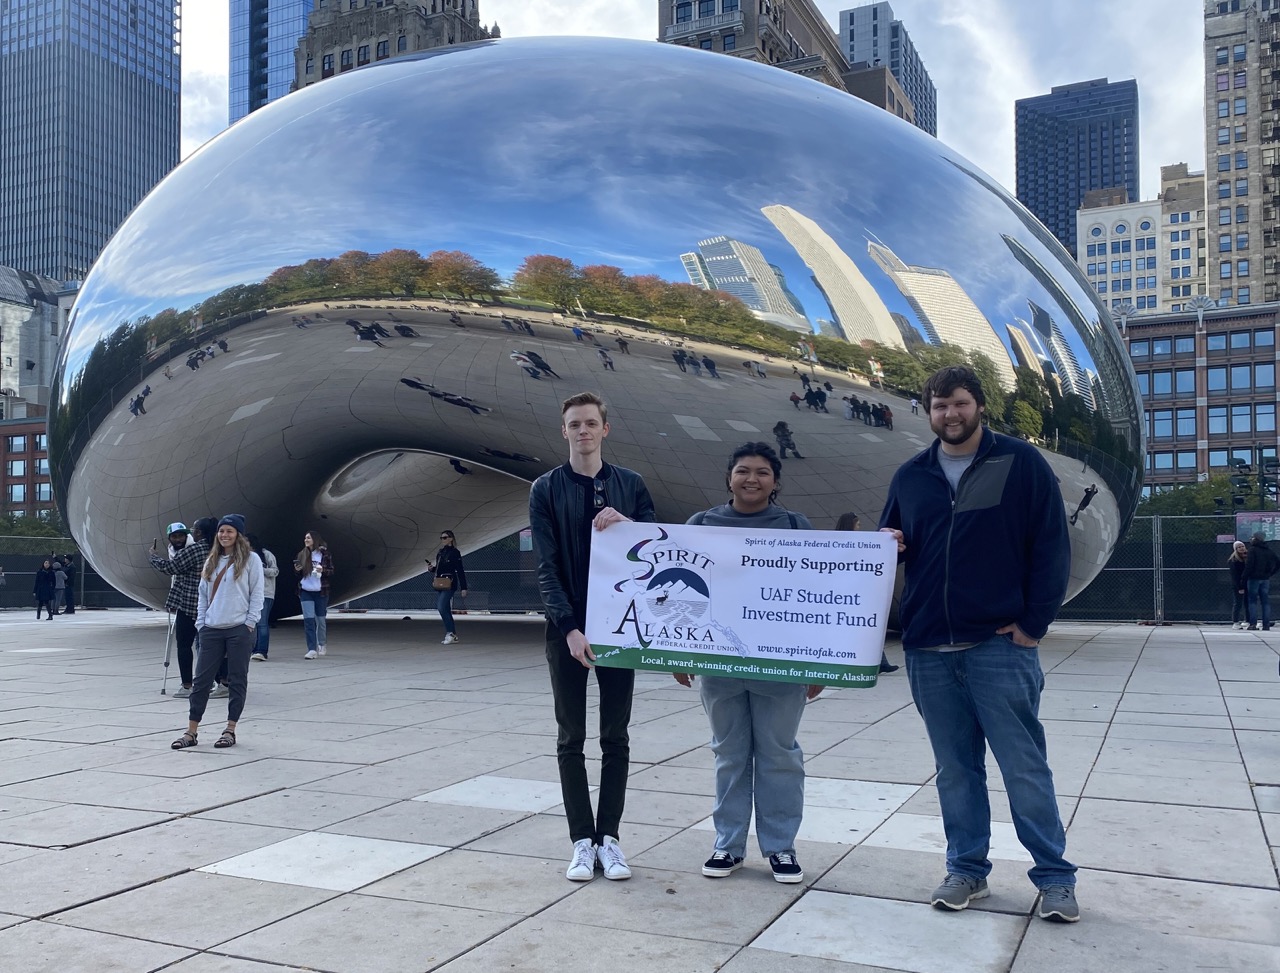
<point x="1260" y="564"/>
<point x="754" y="722"/>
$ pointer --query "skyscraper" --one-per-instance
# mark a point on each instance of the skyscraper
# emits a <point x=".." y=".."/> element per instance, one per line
<point x="737" y="268"/>
<point x="1078" y="137"/>
<point x="1242" y="149"/>
<point x="89" y="122"/>
<point x="264" y="34"/>
<point x="947" y="314"/>
<point x="856" y="308"/>
<point x="871" y="34"/>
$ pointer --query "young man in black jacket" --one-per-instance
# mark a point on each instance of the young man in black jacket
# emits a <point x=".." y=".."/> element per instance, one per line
<point x="566" y="506"/>
<point x="1259" y="565"/>
<point x="987" y="558"/>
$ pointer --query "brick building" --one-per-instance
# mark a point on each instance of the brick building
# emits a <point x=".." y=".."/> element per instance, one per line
<point x="24" y="469"/>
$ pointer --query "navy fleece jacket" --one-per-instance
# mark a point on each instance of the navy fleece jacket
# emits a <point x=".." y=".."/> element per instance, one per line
<point x="997" y="552"/>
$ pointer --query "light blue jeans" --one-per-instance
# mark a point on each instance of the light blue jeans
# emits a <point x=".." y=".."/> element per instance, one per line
<point x="314" y="608"/>
<point x="262" y="640"/>
<point x="758" y="761"/>
<point x="990" y="694"/>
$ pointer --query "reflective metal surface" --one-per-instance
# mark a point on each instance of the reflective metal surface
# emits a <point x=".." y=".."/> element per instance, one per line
<point x="348" y="400"/>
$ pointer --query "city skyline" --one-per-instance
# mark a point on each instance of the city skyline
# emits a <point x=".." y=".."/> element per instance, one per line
<point x="982" y="57"/>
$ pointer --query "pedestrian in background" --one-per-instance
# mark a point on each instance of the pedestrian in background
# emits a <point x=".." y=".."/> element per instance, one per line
<point x="59" y="585"/>
<point x="450" y="576"/>
<point x="43" y="589"/>
<point x="1239" y="590"/>
<point x="229" y="605"/>
<point x="782" y="433"/>
<point x="270" y="569"/>
<point x="1260" y="564"/>
<point x="314" y="567"/>
<point x="72" y="570"/>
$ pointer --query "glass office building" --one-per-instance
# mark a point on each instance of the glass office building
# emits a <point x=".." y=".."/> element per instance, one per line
<point x="264" y="35"/>
<point x="1076" y="138"/>
<point x="89" y="122"/>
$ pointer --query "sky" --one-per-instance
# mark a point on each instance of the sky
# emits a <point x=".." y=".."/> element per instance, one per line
<point x="982" y="55"/>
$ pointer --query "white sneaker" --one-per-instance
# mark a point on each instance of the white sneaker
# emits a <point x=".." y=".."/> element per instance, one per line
<point x="310" y="655"/>
<point x="182" y="692"/>
<point x="449" y="638"/>
<point x="612" y="860"/>
<point x="320" y="650"/>
<point x="582" y="867"/>
<point x="220" y="691"/>
<point x="258" y="657"/>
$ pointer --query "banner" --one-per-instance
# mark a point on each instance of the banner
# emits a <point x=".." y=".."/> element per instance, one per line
<point x="790" y="606"/>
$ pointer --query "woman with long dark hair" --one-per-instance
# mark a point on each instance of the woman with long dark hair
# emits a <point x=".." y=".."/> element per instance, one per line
<point x="754" y="722"/>
<point x="450" y="576"/>
<point x="230" y="603"/>
<point x="314" y="566"/>
<point x="44" y="588"/>
<point x="1235" y="564"/>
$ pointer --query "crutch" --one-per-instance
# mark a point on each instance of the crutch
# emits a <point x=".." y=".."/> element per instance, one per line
<point x="168" y="646"/>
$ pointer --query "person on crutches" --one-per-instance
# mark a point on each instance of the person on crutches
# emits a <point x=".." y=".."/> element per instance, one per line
<point x="187" y="552"/>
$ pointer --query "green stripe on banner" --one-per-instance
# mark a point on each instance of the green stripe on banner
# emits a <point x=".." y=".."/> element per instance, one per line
<point x="704" y="664"/>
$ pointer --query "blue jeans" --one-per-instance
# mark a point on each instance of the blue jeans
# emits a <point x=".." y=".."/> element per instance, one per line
<point x="1259" y="591"/>
<point x="263" y="637"/>
<point x="444" y="605"/>
<point x="314" y="607"/>
<point x="758" y="761"/>
<point x="990" y="693"/>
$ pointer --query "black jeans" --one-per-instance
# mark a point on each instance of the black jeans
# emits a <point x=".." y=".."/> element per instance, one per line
<point x="184" y="633"/>
<point x="224" y="652"/>
<point x="569" y="688"/>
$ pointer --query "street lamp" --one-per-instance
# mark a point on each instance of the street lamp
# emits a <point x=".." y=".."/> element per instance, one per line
<point x="1200" y="303"/>
<point x="1124" y="309"/>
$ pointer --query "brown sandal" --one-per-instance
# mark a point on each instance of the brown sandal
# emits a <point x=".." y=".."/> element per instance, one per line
<point x="188" y="739"/>
<point x="228" y="739"/>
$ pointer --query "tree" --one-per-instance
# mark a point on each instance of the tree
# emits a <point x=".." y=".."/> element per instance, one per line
<point x="397" y="271"/>
<point x="542" y="277"/>
<point x="1188" y="499"/>
<point x="1026" y="421"/>
<point x="460" y="273"/>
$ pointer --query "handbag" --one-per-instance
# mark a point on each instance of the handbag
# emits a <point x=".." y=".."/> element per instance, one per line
<point x="442" y="583"/>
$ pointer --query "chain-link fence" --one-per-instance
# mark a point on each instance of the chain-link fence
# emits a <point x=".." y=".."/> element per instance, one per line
<point x="1167" y="569"/>
<point x="21" y="557"/>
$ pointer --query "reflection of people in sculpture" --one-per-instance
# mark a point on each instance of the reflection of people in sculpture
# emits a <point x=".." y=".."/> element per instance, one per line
<point x="539" y="361"/>
<point x="679" y="356"/>
<point x="758" y="761"/>
<point x="695" y="364"/>
<point x="710" y="366"/>
<point x="524" y="362"/>
<point x="606" y="360"/>
<point x="782" y="433"/>
<point x="406" y="332"/>
<point x="562" y="538"/>
<point x="624" y="346"/>
<point x="795" y="400"/>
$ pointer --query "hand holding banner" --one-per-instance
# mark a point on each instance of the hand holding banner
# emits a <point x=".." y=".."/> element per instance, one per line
<point x="790" y="606"/>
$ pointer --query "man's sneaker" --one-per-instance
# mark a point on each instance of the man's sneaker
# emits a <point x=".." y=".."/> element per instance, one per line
<point x="220" y="691"/>
<point x="957" y="891"/>
<point x="721" y="864"/>
<point x="310" y="654"/>
<point x="182" y="692"/>
<point x="582" y="867"/>
<point x="258" y="657"/>
<point x="449" y="638"/>
<point x="612" y="860"/>
<point x="1058" y="904"/>
<point x="785" y="868"/>
<point x="320" y="650"/>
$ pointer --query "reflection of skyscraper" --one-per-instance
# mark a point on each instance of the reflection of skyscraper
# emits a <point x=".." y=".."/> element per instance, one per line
<point x="947" y="314"/>
<point x="791" y="297"/>
<point x="911" y="335"/>
<point x="737" y="268"/>
<point x="1066" y="365"/>
<point x="830" y="329"/>
<point x="1026" y="353"/>
<point x="854" y="303"/>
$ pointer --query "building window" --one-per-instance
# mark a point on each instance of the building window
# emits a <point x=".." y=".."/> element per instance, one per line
<point x="705" y="43"/>
<point x="706" y="8"/>
<point x="17" y="444"/>
<point x="42" y="466"/>
<point x="1217" y="458"/>
<point x="44" y="493"/>
<point x="402" y="44"/>
<point x="362" y="55"/>
<point x="1240" y="133"/>
<point x="1242" y="295"/>
<point x="1163" y="461"/>
<point x="346" y="59"/>
<point x="1264" y="375"/>
<point x="1224" y="190"/>
<point x="1187" y="459"/>
<point x="1144" y="383"/>
<point x="326" y="65"/>
<point x="1224" y="243"/>
<point x="17" y="493"/>
<point x="1218" y="421"/>
<point x="1222" y="81"/>
<point x="1237" y="52"/>
<point x="684" y="12"/>
<point x="1224" y="270"/>
<point x="1220" y="56"/>
<point x="1264" y="417"/>
<point x="1224" y="109"/>
<point x="1185" y="381"/>
<point x="1145" y="225"/>
<point x="1139" y="349"/>
<point x="1242" y="214"/>
<point x="1162" y="424"/>
<point x="1224" y="163"/>
<point x="1242" y="241"/>
<point x="1241" y="378"/>
<point x="1264" y="339"/>
<point x="311" y="65"/>
<point x="1242" y="187"/>
<point x="1224" y="217"/>
<point x="1242" y="268"/>
<point x="1096" y="231"/>
<point x="1224" y="136"/>
<point x="730" y="42"/>
<point x="1184" y="345"/>
<point x="1242" y="160"/>
<point x="1216" y="379"/>
<point x="384" y="50"/>
<point x="16" y="467"/>
<point x="729" y="6"/>
<point x="1241" y="418"/>
<point x="1239" y="340"/>
<point x="1239" y="79"/>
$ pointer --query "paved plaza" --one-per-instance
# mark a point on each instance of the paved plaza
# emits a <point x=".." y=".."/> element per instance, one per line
<point x="394" y="808"/>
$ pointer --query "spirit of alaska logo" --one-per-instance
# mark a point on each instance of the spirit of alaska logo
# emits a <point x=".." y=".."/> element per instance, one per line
<point x="670" y="598"/>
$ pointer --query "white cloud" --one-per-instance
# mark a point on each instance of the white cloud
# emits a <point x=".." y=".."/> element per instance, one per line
<point x="981" y="54"/>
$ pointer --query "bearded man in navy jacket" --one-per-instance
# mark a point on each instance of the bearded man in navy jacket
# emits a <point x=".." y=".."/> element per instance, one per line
<point x="983" y="533"/>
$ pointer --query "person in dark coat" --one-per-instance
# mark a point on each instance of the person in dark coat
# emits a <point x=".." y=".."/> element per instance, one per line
<point x="448" y="565"/>
<point x="1235" y="564"/>
<point x="44" y="588"/>
<point x="1260" y="564"/>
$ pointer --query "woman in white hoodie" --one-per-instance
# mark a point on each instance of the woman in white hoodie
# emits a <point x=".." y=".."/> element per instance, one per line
<point x="230" y="604"/>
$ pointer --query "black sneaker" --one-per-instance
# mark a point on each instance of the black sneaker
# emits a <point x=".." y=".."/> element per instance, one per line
<point x="721" y="864"/>
<point x="785" y="868"/>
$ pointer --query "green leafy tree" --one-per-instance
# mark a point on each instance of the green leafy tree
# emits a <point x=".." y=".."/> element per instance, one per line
<point x="1025" y="420"/>
<point x="542" y="277"/>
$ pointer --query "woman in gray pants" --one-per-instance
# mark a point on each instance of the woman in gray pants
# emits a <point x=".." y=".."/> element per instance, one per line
<point x="230" y="603"/>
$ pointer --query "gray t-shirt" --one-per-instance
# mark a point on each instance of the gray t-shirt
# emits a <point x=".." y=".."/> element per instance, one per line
<point x="772" y="516"/>
<point x="953" y="467"/>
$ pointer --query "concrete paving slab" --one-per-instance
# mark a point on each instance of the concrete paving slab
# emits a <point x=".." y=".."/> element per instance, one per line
<point x="46" y="947"/>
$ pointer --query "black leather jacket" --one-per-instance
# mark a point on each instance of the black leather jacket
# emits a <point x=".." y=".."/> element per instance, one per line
<point x="562" y="539"/>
